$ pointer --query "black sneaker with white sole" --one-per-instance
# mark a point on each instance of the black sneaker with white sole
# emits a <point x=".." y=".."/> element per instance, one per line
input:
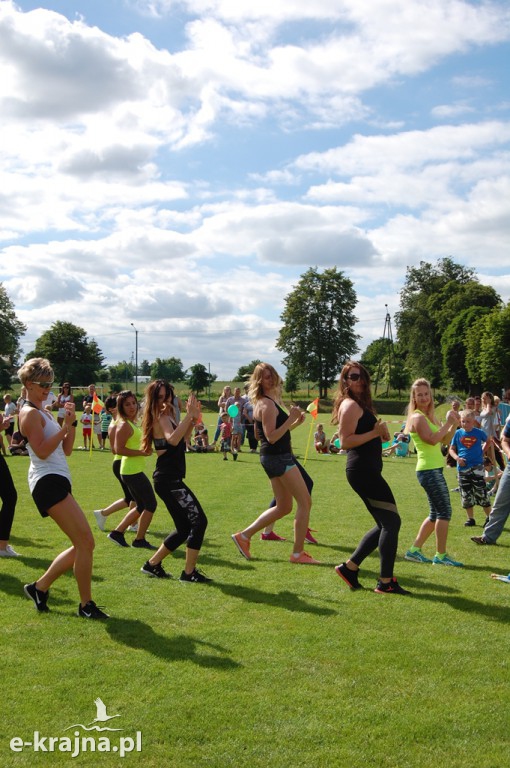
<point x="118" y="538"/>
<point x="155" y="570"/>
<point x="195" y="576"/>
<point x="39" y="597"/>
<point x="142" y="544"/>
<point x="91" y="611"/>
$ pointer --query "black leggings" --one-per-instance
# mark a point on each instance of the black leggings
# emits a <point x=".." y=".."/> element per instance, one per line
<point x="376" y="494"/>
<point x="9" y="498"/>
<point x="186" y="512"/>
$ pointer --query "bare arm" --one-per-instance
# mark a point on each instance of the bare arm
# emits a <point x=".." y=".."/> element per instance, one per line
<point x="267" y="414"/>
<point x="122" y="435"/>
<point x="349" y="414"/>
<point x="420" y="425"/>
<point x="32" y="426"/>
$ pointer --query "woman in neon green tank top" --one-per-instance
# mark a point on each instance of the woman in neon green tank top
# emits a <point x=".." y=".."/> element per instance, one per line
<point x="428" y="434"/>
<point x="128" y="439"/>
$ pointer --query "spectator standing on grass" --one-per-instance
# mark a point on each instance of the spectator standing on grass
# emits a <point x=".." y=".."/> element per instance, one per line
<point x="161" y="429"/>
<point x="238" y="401"/>
<point x="273" y="426"/>
<point x="467" y="449"/>
<point x="501" y="508"/>
<point x="128" y="444"/>
<point x="428" y="435"/>
<point x="9" y="497"/>
<point x="49" y="481"/>
<point x="64" y="396"/>
<point x="222" y="405"/>
<point x="86" y="424"/>
<point x="362" y="434"/>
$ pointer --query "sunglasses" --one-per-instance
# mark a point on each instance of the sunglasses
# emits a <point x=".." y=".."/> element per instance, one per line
<point x="43" y="384"/>
<point x="353" y="376"/>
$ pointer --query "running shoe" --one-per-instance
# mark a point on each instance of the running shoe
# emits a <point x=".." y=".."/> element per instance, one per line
<point x="100" y="518"/>
<point x="195" y="576"/>
<point x="118" y="538"/>
<point x="391" y="588"/>
<point x="242" y="544"/>
<point x="142" y="544"/>
<point x="8" y="552"/>
<point x="446" y="561"/>
<point x="304" y="559"/>
<point x="416" y="557"/>
<point x="133" y="528"/>
<point x="470" y="522"/>
<point x="272" y="536"/>
<point x="91" y="611"/>
<point x="350" y="577"/>
<point x="155" y="570"/>
<point x="309" y="538"/>
<point x="39" y="597"/>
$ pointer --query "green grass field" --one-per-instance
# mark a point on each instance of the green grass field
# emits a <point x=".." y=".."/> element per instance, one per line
<point x="272" y="664"/>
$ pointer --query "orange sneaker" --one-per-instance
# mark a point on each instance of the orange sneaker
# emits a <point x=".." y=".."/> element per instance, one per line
<point x="242" y="544"/>
<point x="304" y="559"/>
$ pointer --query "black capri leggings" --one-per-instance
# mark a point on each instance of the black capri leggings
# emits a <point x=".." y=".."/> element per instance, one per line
<point x="9" y="497"/>
<point x="186" y="512"/>
<point x="376" y="494"/>
<point x="140" y="489"/>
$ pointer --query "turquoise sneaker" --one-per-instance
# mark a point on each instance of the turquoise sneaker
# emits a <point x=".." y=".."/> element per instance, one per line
<point x="446" y="561"/>
<point x="416" y="557"/>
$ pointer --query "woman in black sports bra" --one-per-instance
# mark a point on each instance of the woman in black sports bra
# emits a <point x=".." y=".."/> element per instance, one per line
<point x="273" y="426"/>
<point x="160" y="426"/>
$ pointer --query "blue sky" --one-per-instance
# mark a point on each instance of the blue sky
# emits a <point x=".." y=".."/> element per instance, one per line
<point x="178" y="165"/>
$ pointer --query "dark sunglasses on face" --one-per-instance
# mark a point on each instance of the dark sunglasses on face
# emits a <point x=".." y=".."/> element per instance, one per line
<point x="43" y="384"/>
<point x="353" y="376"/>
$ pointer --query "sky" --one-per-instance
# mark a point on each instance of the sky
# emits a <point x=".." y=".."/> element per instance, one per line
<point x="174" y="166"/>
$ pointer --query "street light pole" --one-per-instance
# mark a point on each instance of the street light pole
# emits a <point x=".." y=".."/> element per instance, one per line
<point x="136" y="359"/>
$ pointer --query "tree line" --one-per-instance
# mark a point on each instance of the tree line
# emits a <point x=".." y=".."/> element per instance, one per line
<point x="450" y="329"/>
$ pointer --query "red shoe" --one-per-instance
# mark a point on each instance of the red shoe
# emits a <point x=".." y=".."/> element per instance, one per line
<point x="309" y="538"/>
<point x="271" y="537"/>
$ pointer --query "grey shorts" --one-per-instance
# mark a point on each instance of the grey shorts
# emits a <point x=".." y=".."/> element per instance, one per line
<point x="277" y="465"/>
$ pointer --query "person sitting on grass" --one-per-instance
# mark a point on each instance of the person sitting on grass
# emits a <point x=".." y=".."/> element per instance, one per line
<point x="320" y="440"/>
<point x="467" y="448"/>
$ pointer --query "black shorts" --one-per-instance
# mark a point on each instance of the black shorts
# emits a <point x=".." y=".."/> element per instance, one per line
<point x="50" y="490"/>
<point x="142" y="491"/>
<point x="128" y="498"/>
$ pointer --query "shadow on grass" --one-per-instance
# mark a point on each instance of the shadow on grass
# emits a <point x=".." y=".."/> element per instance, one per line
<point x="488" y="611"/>
<point x="140" y="636"/>
<point x="286" y="600"/>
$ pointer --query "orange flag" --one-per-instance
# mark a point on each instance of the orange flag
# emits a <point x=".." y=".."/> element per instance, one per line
<point x="97" y="404"/>
<point x="313" y="408"/>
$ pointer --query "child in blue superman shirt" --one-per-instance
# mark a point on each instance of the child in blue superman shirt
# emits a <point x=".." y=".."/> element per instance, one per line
<point x="467" y="448"/>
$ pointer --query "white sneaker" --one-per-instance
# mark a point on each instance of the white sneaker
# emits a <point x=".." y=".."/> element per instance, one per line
<point x="100" y="519"/>
<point x="8" y="552"/>
<point x="133" y="528"/>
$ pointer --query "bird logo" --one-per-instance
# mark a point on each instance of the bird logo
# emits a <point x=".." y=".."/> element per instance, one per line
<point x="101" y="717"/>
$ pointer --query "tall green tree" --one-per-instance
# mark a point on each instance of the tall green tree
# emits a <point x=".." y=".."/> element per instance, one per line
<point x="432" y="296"/>
<point x="246" y="370"/>
<point x="170" y="369"/>
<point x="11" y="331"/>
<point x="318" y="326"/>
<point x="72" y="355"/>
<point x="488" y="350"/>
<point x="454" y="346"/>
<point x="199" y="378"/>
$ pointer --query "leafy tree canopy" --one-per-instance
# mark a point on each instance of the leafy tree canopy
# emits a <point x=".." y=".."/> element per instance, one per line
<point x="199" y="378"/>
<point x="170" y="369"/>
<point x="73" y="357"/>
<point x="318" y="326"/>
<point x="11" y="331"/>
<point x="246" y="370"/>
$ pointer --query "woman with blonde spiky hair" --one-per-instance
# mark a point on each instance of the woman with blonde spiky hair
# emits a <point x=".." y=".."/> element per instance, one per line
<point x="49" y="480"/>
<point x="273" y="426"/>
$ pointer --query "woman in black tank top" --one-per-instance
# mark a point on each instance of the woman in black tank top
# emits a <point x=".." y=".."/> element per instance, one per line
<point x="361" y="434"/>
<point x="273" y="426"/>
<point x="161" y="428"/>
